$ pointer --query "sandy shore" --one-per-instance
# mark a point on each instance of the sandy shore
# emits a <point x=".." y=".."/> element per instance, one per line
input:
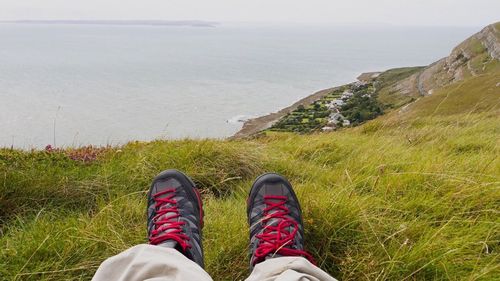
<point x="258" y="124"/>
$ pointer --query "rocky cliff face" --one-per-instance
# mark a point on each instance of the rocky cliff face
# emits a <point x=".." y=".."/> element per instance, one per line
<point x="490" y="37"/>
<point x="472" y="57"/>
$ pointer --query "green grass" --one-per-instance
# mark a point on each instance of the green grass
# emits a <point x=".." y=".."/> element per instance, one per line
<point x="389" y="95"/>
<point x="474" y="94"/>
<point x="476" y="46"/>
<point x="390" y="200"/>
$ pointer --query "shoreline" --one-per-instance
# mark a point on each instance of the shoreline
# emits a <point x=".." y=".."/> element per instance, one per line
<point x="255" y="125"/>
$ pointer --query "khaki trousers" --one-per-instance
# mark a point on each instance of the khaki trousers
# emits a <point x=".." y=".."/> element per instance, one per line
<point x="154" y="263"/>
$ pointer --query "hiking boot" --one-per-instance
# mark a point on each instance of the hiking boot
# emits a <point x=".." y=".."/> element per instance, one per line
<point x="275" y="219"/>
<point x="175" y="214"/>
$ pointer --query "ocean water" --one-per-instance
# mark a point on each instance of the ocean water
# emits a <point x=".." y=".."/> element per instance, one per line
<point x="75" y="85"/>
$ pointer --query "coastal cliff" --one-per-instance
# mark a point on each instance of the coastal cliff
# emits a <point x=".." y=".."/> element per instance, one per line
<point x="396" y="88"/>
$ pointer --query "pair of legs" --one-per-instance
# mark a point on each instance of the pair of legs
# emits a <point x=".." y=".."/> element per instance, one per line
<point x="175" y="222"/>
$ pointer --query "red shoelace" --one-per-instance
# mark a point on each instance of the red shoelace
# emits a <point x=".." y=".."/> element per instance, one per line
<point x="275" y="239"/>
<point x="168" y="227"/>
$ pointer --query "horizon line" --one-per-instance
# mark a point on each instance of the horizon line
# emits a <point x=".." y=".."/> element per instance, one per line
<point x="214" y="23"/>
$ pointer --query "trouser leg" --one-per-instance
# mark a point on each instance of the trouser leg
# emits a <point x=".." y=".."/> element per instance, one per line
<point x="288" y="269"/>
<point x="148" y="262"/>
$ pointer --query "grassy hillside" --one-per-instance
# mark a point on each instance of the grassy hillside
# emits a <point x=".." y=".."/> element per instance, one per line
<point x="474" y="57"/>
<point x="390" y="83"/>
<point x="473" y="94"/>
<point x="398" y="198"/>
<point x="411" y="195"/>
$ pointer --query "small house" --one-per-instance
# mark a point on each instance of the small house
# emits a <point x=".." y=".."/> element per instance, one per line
<point x="346" y="95"/>
<point x="338" y="102"/>
<point x="331" y="105"/>
<point x="336" y="118"/>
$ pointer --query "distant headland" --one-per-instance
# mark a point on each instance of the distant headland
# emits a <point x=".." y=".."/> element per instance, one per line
<point x="191" y="23"/>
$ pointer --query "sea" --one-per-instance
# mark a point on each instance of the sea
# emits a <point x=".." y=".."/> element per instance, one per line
<point x="71" y="85"/>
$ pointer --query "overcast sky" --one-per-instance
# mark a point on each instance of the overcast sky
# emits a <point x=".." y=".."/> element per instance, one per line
<point x="398" y="12"/>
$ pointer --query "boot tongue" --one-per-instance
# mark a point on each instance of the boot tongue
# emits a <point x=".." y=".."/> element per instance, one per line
<point x="276" y="221"/>
<point x="168" y="243"/>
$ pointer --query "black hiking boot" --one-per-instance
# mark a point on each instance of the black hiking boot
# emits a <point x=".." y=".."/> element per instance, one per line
<point x="275" y="220"/>
<point x="175" y="214"/>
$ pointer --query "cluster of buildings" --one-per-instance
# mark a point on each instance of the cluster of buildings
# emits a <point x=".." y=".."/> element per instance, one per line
<point x="336" y="119"/>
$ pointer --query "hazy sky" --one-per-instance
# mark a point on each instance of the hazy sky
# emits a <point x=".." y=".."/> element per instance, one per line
<point x="400" y="12"/>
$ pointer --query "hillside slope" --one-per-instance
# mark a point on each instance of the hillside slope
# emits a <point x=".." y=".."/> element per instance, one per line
<point x="473" y="57"/>
<point x="391" y="200"/>
<point x="476" y="56"/>
<point x="411" y="195"/>
<point x="466" y="82"/>
<point x="376" y="93"/>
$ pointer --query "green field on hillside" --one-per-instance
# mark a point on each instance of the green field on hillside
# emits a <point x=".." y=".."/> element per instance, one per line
<point x="389" y="95"/>
<point x="394" y="199"/>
